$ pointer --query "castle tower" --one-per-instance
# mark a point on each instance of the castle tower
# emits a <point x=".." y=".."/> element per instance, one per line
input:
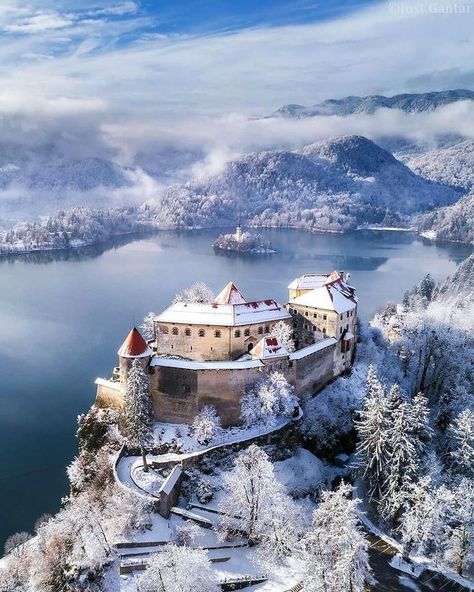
<point x="132" y="348"/>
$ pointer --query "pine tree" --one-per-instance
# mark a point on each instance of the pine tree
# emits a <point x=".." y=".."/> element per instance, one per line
<point x="137" y="411"/>
<point x="373" y="426"/>
<point x="462" y="438"/>
<point x="335" y="549"/>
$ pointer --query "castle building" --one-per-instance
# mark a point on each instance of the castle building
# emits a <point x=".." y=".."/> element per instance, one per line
<point x="211" y="353"/>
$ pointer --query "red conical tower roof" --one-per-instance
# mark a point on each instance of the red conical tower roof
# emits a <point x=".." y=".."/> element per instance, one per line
<point x="134" y="346"/>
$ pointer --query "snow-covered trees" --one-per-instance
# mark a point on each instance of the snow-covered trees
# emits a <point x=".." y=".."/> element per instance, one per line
<point x="148" y="326"/>
<point x="284" y="333"/>
<point x="206" y="424"/>
<point x="198" y="292"/>
<point x="335" y="549"/>
<point x="179" y="569"/>
<point x="393" y="432"/>
<point x="137" y="412"/>
<point x="373" y="451"/>
<point x="462" y="444"/>
<point x="460" y="536"/>
<point x="271" y="398"/>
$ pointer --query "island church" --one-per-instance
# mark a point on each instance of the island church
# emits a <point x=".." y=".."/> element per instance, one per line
<point x="211" y="353"/>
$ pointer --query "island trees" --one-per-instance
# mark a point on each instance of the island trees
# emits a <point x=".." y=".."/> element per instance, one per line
<point x="137" y="412"/>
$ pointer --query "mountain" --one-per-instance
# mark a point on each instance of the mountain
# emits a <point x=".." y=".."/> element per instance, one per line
<point x="453" y="223"/>
<point x="452" y="166"/>
<point x="77" y="175"/>
<point x="332" y="185"/>
<point x="410" y="103"/>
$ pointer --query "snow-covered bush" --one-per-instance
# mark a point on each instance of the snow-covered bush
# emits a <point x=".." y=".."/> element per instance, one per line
<point x="206" y="425"/>
<point x="147" y="326"/>
<point x="186" y="533"/>
<point x="179" y="569"/>
<point x="270" y="398"/>
<point x="204" y="491"/>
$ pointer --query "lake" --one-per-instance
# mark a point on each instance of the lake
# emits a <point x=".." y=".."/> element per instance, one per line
<point x="63" y="316"/>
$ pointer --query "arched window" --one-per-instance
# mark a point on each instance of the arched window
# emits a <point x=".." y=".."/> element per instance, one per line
<point x="164" y="330"/>
<point x="247" y="332"/>
<point x="267" y="328"/>
<point x="260" y="330"/>
<point x="250" y="347"/>
<point x="201" y="333"/>
<point x="187" y="332"/>
<point x="237" y="333"/>
<point x="175" y="331"/>
<point x="217" y="333"/>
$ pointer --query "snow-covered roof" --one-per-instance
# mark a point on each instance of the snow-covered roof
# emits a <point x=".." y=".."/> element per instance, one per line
<point x="108" y="383"/>
<point x="225" y="315"/>
<point x="134" y="346"/>
<point x="268" y="348"/>
<point x="348" y="335"/>
<point x="311" y="349"/>
<point x="171" y="481"/>
<point x="192" y="365"/>
<point x="310" y="281"/>
<point x="337" y="296"/>
<point x="230" y="295"/>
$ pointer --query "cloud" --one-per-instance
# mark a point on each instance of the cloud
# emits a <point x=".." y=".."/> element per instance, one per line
<point x="39" y="22"/>
<point x="117" y="9"/>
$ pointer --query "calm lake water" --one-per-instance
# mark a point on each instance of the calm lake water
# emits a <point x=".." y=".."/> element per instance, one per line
<point x="63" y="317"/>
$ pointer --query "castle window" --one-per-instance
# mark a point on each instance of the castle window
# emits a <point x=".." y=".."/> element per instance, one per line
<point x="260" y="330"/>
<point x="341" y="317"/>
<point x="201" y="333"/>
<point x="237" y="333"/>
<point x="217" y="333"/>
<point x="175" y="331"/>
<point x="325" y="317"/>
<point x="306" y="314"/>
<point x="324" y="330"/>
<point x="247" y="332"/>
<point x="164" y="330"/>
<point x="347" y="314"/>
<point x="315" y="316"/>
<point x="187" y="332"/>
<point x="267" y="329"/>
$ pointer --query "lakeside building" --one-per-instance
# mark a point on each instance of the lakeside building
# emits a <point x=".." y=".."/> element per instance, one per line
<point x="211" y="353"/>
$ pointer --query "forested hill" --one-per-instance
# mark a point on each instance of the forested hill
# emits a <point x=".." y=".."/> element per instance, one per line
<point x="333" y="185"/>
<point x="453" y="223"/>
<point x="409" y="102"/>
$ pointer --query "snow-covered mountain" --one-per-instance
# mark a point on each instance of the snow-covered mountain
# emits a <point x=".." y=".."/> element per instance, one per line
<point x="454" y="223"/>
<point x="331" y="185"/>
<point x="452" y="166"/>
<point x="410" y="103"/>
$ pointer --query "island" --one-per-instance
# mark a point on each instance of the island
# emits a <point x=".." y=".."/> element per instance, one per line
<point x="243" y="242"/>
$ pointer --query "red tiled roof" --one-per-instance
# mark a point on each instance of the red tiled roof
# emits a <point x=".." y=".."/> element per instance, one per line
<point x="134" y="345"/>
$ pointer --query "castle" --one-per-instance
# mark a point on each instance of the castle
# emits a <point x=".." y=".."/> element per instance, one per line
<point x="210" y="353"/>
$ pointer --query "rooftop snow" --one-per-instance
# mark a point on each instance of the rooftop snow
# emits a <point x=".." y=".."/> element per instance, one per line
<point x="171" y="481"/>
<point x="269" y="347"/>
<point x="335" y="296"/>
<point x="310" y="281"/>
<point x="191" y="365"/>
<point x="230" y="295"/>
<point x="226" y="315"/>
<point x="311" y="349"/>
<point x="108" y="383"/>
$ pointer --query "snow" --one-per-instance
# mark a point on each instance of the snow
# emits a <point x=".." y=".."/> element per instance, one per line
<point x="171" y="481"/>
<point x="311" y="349"/>
<point x="226" y="315"/>
<point x="108" y="383"/>
<point x="326" y="298"/>
<point x="301" y="472"/>
<point x="191" y="365"/>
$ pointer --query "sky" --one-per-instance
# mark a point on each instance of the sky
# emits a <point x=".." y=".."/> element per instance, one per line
<point x="121" y="75"/>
